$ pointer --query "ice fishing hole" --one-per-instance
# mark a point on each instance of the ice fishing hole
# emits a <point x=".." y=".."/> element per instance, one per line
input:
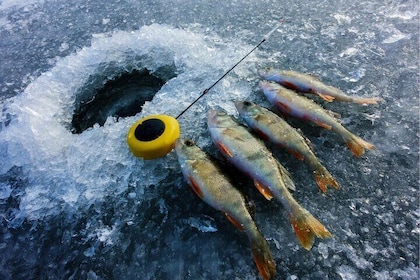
<point x="122" y="95"/>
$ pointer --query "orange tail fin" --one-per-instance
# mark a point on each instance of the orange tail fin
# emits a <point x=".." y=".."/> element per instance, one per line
<point x="358" y="146"/>
<point x="324" y="179"/>
<point x="262" y="257"/>
<point x="307" y="227"/>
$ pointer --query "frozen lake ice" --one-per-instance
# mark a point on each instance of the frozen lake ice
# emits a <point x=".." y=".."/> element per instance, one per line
<point x="80" y="206"/>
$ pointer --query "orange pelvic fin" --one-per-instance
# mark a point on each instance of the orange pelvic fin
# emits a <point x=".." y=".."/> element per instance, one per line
<point x="263" y="258"/>
<point x="234" y="222"/>
<point x="358" y="146"/>
<point x="307" y="227"/>
<point x="295" y="154"/>
<point x="265" y="191"/>
<point x="324" y="179"/>
<point x="327" y="98"/>
<point x="224" y="149"/>
<point x="195" y="187"/>
<point x="322" y="124"/>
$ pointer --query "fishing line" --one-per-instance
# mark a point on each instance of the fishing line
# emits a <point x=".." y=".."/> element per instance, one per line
<point x="265" y="38"/>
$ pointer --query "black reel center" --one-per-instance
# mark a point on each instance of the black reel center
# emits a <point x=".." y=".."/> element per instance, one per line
<point x="149" y="130"/>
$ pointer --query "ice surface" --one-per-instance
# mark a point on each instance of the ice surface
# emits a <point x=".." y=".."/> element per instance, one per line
<point x="204" y="224"/>
<point x="80" y="206"/>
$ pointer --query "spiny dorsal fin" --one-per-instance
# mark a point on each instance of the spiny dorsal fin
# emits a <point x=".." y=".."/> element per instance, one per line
<point x="306" y="139"/>
<point x="286" y="177"/>
<point x="309" y="143"/>
<point x="333" y="114"/>
<point x="314" y="76"/>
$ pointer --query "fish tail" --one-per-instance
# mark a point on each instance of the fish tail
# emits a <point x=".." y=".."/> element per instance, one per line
<point x="357" y="145"/>
<point x="307" y="227"/>
<point x="262" y="256"/>
<point x="371" y="100"/>
<point x="324" y="179"/>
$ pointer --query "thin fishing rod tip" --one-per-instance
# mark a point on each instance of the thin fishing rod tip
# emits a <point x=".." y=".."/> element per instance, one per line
<point x="266" y="36"/>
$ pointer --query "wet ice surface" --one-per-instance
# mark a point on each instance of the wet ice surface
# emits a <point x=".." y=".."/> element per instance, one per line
<point x="81" y="206"/>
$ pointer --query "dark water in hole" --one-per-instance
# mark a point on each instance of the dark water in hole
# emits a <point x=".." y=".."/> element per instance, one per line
<point x="122" y="96"/>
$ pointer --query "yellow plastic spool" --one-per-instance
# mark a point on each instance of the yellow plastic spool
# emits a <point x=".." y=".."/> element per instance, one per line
<point x="153" y="137"/>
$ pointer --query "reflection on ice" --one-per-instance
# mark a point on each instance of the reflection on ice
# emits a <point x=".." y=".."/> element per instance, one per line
<point x="204" y="224"/>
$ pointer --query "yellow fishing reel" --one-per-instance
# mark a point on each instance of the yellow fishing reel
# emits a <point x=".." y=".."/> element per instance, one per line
<point x="153" y="137"/>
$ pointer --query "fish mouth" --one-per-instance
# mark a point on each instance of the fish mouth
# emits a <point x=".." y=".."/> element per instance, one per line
<point x="265" y="85"/>
<point x="216" y="118"/>
<point x="262" y="84"/>
<point x="180" y="148"/>
<point x="264" y="72"/>
<point x="178" y="144"/>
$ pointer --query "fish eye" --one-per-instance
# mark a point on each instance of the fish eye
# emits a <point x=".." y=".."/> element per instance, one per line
<point x="247" y="103"/>
<point x="189" y="143"/>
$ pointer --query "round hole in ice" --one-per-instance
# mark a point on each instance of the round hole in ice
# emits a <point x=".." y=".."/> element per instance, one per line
<point x="120" y="96"/>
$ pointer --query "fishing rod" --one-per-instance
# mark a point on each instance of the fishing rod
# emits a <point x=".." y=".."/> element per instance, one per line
<point x="155" y="136"/>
